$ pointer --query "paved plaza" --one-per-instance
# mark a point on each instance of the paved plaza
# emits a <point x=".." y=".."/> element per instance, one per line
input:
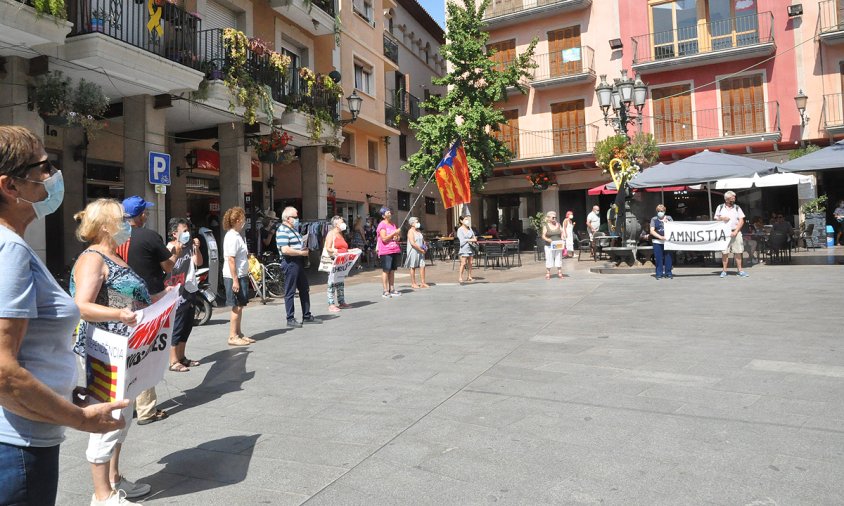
<point x="595" y="389"/>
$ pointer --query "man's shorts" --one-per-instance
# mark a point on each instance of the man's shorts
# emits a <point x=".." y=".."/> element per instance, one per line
<point x="736" y="245"/>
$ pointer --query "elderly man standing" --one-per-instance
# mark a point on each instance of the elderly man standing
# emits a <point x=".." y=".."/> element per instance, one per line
<point x="593" y="223"/>
<point x="147" y="255"/>
<point x="733" y="216"/>
<point x="291" y="246"/>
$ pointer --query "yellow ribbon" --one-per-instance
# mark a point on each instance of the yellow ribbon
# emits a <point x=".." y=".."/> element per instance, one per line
<point x="154" y="18"/>
<point x="616" y="180"/>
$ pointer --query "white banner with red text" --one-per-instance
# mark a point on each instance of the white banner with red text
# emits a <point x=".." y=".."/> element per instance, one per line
<point x="343" y="264"/>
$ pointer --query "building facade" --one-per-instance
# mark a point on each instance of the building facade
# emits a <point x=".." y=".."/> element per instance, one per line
<point x="721" y="75"/>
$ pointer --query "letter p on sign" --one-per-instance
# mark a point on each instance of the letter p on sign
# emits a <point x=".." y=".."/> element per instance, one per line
<point x="159" y="168"/>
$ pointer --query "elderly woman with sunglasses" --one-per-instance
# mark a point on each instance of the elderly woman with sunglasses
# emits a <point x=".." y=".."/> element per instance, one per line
<point x="37" y="318"/>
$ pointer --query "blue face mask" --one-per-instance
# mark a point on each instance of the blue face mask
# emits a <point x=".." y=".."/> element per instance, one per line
<point x="184" y="238"/>
<point x="54" y="185"/>
<point x="123" y="234"/>
<point x="295" y="222"/>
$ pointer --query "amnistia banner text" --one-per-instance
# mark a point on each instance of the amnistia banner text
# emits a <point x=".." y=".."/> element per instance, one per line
<point x="697" y="235"/>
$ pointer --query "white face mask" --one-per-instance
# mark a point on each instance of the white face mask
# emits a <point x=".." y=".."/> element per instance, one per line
<point x="342" y="227"/>
<point x="660" y="214"/>
<point x="417" y="225"/>
<point x="468" y="223"/>
<point x="184" y="237"/>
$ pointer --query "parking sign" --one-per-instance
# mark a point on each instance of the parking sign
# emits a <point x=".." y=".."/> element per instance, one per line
<point x="159" y="168"/>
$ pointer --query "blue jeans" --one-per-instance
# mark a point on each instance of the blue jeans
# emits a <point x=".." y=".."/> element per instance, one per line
<point x="28" y="475"/>
<point x="662" y="258"/>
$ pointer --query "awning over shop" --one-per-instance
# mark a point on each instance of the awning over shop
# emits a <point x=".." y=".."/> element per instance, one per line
<point x="703" y="167"/>
<point x="830" y="157"/>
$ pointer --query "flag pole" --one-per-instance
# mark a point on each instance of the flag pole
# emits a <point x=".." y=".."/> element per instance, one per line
<point x="422" y="191"/>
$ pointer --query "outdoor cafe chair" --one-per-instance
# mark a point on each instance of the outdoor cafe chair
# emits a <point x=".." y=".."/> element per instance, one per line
<point x="512" y="249"/>
<point x="583" y="244"/>
<point x="494" y="253"/>
<point x="778" y="247"/>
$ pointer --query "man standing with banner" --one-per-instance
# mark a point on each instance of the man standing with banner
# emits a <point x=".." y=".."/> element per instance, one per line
<point x="733" y="216"/>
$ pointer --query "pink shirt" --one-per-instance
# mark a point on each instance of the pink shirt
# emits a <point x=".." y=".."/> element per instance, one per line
<point x="389" y="247"/>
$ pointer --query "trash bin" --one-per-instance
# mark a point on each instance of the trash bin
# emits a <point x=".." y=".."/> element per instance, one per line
<point x="830" y="236"/>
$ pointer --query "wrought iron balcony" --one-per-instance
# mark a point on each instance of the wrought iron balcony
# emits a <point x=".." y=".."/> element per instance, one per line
<point x="169" y="31"/>
<point x="542" y="144"/>
<point x="400" y="106"/>
<point x="391" y="48"/>
<point x="567" y="66"/>
<point x="506" y="12"/>
<point x="833" y="113"/>
<point x="832" y="21"/>
<point x="713" y="42"/>
<point x="723" y="125"/>
<point x="294" y="95"/>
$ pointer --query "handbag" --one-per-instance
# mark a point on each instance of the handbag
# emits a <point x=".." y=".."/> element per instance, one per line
<point x="326" y="263"/>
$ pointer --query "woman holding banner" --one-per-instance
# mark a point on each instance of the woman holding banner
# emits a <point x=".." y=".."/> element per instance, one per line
<point x="108" y="292"/>
<point x="37" y="368"/>
<point x="662" y="258"/>
<point x="552" y="232"/>
<point x="335" y="243"/>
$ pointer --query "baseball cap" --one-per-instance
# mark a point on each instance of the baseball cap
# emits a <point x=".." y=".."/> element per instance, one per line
<point x="135" y="205"/>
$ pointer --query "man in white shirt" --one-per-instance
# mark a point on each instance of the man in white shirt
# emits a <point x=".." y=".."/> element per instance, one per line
<point x="732" y="215"/>
<point x="593" y="223"/>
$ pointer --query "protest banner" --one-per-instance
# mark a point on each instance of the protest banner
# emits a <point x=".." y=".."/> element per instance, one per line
<point x="343" y="263"/>
<point x="120" y="367"/>
<point x="697" y="235"/>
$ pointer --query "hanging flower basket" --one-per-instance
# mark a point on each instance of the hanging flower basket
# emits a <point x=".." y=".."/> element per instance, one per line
<point x="272" y="157"/>
<point x="55" y="120"/>
<point x="541" y="181"/>
<point x="269" y="148"/>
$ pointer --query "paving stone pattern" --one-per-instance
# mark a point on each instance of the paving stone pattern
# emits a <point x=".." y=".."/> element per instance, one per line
<point x="594" y="389"/>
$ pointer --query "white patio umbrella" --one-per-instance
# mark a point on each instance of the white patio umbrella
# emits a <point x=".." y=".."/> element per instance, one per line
<point x="765" y="181"/>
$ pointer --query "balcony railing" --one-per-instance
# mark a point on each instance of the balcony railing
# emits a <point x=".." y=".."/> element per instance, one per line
<point x="294" y="90"/>
<point x="564" y="63"/>
<point x="704" y="38"/>
<point x="831" y="16"/>
<point x="391" y="48"/>
<point x="400" y="106"/>
<point x="325" y="5"/>
<point x="757" y="118"/>
<point x="499" y="8"/>
<point x="833" y="110"/>
<point x="214" y="59"/>
<point x="174" y="37"/>
<point x="530" y="144"/>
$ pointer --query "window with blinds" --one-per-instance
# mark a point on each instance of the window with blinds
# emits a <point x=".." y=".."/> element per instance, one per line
<point x="504" y="53"/>
<point x="742" y="105"/>
<point x="564" y="55"/>
<point x="672" y="113"/>
<point x="569" y="123"/>
<point x="508" y="131"/>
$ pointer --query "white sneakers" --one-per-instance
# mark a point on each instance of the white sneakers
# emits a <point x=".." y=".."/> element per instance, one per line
<point x="115" y="499"/>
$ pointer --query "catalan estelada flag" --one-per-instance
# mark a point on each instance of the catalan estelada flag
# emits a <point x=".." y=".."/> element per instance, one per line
<point x="453" y="177"/>
<point x="102" y="380"/>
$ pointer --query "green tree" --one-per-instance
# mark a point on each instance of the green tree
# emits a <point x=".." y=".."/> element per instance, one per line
<point x="475" y="84"/>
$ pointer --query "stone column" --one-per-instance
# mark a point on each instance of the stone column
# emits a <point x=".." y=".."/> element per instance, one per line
<point x="74" y="191"/>
<point x="550" y="200"/>
<point x="235" y="166"/>
<point x="143" y="130"/>
<point x="177" y="199"/>
<point x="314" y="184"/>
<point x="14" y="91"/>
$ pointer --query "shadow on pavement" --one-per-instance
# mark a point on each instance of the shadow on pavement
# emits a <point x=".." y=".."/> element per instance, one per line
<point x="226" y="374"/>
<point x="260" y="336"/>
<point x="216" y="463"/>
<point x="362" y="303"/>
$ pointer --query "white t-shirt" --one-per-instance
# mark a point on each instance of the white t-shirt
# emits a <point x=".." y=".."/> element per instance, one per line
<point x="594" y="221"/>
<point x="235" y="246"/>
<point x="734" y="213"/>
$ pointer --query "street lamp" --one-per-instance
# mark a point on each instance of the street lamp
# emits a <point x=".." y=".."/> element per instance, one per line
<point x="800" y="101"/>
<point x="619" y="95"/>
<point x="354" y="102"/>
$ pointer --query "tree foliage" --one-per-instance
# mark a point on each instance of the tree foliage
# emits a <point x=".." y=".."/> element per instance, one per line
<point x="475" y="84"/>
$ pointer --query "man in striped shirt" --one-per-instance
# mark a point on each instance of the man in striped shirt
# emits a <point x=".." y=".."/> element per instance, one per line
<point x="291" y="246"/>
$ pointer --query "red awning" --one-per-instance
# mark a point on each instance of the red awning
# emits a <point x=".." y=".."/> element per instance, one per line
<point x="601" y="190"/>
<point x="605" y="190"/>
<point x="208" y="159"/>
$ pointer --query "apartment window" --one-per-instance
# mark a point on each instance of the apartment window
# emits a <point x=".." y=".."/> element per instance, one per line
<point x="372" y="151"/>
<point x="672" y="112"/>
<point x="564" y="57"/>
<point x="508" y="131"/>
<point x="430" y="205"/>
<point x="502" y="53"/>
<point x="403" y="147"/>
<point x="363" y="78"/>
<point x="568" y="120"/>
<point x="404" y="201"/>
<point x="347" y="149"/>
<point x="742" y="105"/>
<point x="364" y="9"/>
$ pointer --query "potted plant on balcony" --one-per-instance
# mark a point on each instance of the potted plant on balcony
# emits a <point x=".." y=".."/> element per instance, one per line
<point x="212" y="70"/>
<point x="55" y="8"/>
<point x="324" y="93"/>
<point x="98" y="20"/>
<point x="270" y="148"/>
<point x="50" y="96"/>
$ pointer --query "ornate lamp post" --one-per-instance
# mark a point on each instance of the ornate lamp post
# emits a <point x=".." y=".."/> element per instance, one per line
<point x="800" y="101"/>
<point x="619" y="95"/>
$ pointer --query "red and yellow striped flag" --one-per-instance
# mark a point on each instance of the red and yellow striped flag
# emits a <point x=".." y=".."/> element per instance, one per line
<point x="453" y="177"/>
<point x="102" y="380"/>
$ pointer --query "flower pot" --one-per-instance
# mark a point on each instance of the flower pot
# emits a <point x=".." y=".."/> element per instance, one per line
<point x="215" y="75"/>
<point x="272" y="157"/>
<point x="97" y="24"/>
<point x="55" y="120"/>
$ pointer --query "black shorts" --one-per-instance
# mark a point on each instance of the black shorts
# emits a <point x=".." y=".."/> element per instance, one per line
<point x="390" y="262"/>
<point x="238" y="299"/>
<point x="183" y="321"/>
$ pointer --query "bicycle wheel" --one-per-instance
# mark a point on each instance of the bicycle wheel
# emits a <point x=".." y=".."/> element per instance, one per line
<point x="274" y="279"/>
